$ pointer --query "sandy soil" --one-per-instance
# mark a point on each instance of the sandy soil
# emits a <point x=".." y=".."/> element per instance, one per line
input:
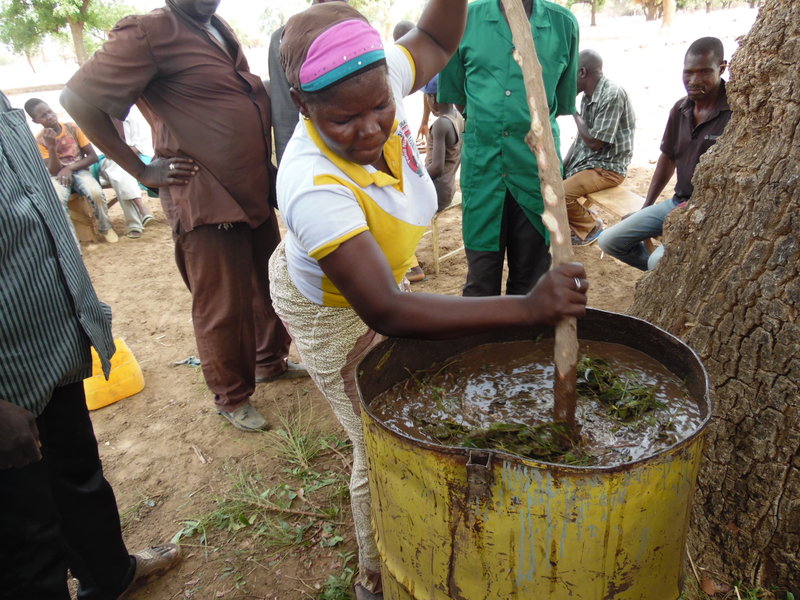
<point x="167" y="453"/>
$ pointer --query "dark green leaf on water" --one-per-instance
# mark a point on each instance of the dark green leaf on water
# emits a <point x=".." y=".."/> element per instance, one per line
<point x="545" y="441"/>
<point x="626" y="397"/>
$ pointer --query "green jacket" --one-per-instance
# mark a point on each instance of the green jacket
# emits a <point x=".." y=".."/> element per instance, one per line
<point x="483" y="77"/>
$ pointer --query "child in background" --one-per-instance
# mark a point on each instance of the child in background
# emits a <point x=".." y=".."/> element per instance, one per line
<point x="443" y="156"/>
<point x="67" y="154"/>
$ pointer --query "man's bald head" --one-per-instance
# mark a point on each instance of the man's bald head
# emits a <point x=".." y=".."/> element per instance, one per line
<point x="590" y="71"/>
<point x="591" y="61"/>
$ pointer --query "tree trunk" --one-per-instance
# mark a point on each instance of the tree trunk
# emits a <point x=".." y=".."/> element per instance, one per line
<point x="709" y="3"/>
<point x="729" y="286"/>
<point x="669" y="13"/>
<point x="650" y="9"/>
<point x="29" y="58"/>
<point x="76" y="29"/>
<point x="594" y="13"/>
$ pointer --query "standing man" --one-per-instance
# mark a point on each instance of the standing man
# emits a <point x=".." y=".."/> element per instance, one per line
<point x="600" y="155"/>
<point x="502" y="201"/>
<point x="57" y="511"/>
<point x="284" y="112"/>
<point x="694" y="125"/>
<point x="185" y="69"/>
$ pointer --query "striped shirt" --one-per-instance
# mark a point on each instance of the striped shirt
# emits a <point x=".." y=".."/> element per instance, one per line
<point x="608" y="115"/>
<point x="50" y="313"/>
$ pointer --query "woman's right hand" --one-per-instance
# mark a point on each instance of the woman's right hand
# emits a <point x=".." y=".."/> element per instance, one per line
<point x="560" y="293"/>
<point x="168" y="171"/>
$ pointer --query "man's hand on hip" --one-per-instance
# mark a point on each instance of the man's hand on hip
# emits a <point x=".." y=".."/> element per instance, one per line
<point x="168" y="171"/>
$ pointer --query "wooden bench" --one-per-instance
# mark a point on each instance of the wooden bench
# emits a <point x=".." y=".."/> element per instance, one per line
<point x="434" y="231"/>
<point x="83" y="217"/>
<point x="618" y="201"/>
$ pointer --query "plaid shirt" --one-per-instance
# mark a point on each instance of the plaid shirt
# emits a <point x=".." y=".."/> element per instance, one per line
<point x="609" y="117"/>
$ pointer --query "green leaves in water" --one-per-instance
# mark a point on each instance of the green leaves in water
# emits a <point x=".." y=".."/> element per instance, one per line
<point x="626" y="397"/>
<point x="545" y="441"/>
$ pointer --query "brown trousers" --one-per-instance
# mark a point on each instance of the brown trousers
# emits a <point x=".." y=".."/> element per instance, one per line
<point x="581" y="221"/>
<point x="238" y="334"/>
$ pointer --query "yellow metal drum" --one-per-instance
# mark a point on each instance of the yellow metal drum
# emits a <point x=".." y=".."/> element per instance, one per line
<point x="461" y="524"/>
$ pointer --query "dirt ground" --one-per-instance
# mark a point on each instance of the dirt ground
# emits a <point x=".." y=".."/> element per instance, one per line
<point x="172" y="460"/>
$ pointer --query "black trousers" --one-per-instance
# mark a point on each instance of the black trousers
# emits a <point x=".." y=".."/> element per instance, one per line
<point x="61" y="513"/>
<point x="525" y="249"/>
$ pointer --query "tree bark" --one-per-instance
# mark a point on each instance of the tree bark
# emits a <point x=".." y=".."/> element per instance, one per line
<point x="79" y="44"/>
<point x="651" y="9"/>
<point x="729" y="286"/>
<point x="669" y="14"/>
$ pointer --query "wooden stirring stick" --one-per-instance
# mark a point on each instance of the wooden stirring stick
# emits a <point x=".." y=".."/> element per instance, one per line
<point x="540" y="141"/>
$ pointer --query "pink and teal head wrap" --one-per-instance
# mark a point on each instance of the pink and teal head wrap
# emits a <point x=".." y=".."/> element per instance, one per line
<point x="328" y="43"/>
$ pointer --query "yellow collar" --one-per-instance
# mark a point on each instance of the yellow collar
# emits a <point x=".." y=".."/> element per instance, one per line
<point x="392" y="150"/>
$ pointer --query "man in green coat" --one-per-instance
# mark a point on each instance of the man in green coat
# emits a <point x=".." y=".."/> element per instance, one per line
<point x="502" y="201"/>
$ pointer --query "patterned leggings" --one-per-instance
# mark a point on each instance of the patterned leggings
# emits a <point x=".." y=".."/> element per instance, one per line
<point x="331" y="341"/>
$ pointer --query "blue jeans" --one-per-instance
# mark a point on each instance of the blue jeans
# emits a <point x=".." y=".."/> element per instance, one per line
<point x="85" y="184"/>
<point x="624" y="241"/>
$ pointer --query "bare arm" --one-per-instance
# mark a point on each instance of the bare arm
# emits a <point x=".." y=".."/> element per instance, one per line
<point x="426" y="116"/>
<point x="435" y="38"/>
<point x="98" y="127"/>
<point x="665" y="167"/>
<point x="583" y="131"/>
<point x="373" y="293"/>
<point x="89" y="158"/>
<point x="439" y="147"/>
<point x="52" y="162"/>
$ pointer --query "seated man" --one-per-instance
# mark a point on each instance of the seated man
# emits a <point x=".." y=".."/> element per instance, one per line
<point x="600" y="155"/>
<point x="694" y="125"/>
<point x="125" y="186"/>
<point x="68" y="155"/>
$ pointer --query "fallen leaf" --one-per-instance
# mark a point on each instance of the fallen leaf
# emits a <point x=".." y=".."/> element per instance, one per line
<point x="709" y="586"/>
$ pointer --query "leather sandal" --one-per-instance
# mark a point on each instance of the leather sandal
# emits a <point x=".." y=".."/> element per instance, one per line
<point x="246" y="418"/>
<point x="152" y="563"/>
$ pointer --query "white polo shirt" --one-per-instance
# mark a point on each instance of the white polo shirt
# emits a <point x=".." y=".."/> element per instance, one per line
<point x="326" y="200"/>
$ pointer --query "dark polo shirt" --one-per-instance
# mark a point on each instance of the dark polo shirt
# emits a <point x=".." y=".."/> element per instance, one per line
<point x="207" y="105"/>
<point x="684" y="142"/>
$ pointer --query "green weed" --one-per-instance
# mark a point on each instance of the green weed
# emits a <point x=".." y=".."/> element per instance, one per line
<point x="339" y="586"/>
<point x="298" y="439"/>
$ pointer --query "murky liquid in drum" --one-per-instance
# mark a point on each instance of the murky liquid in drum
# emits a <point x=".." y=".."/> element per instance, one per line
<point x="512" y="383"/>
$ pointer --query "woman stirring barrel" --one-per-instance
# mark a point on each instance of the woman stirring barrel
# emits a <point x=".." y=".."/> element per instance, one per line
<point x="356" y="199"/>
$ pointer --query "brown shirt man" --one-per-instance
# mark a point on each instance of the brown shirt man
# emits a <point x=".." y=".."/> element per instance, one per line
<point x="183" y="66"/>
<point x="218" y="115"/>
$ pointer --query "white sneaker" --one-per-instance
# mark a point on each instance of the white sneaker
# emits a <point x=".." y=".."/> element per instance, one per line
<point x="110" y="236"/>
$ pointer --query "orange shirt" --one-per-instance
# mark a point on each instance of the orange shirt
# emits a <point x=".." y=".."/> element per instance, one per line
<point x="68" y="144"/>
